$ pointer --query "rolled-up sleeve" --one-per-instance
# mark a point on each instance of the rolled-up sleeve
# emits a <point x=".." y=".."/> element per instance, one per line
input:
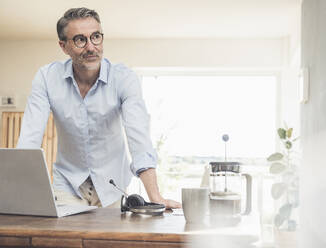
<point x="36" y="115"/>
<point x="137" y="125"/>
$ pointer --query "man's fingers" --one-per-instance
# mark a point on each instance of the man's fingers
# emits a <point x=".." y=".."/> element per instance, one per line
<point x="172" y="204"/>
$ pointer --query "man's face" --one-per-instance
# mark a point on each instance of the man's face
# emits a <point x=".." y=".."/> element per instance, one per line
<point x="88" y="57"/>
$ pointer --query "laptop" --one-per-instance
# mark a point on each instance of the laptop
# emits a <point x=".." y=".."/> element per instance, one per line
<point x="25" y="186"/>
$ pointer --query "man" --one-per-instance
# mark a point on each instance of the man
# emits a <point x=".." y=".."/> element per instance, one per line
<point x="93" y="102"/>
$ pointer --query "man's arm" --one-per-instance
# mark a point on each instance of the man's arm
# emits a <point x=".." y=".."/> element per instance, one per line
<point x="136" y="123"/>
<point x="35" y="116"/>
<point x="149" y="180"/>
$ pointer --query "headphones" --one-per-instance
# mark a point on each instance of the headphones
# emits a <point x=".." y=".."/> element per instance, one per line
<point x="136" y="204"/>
<point x="134" y="200"/>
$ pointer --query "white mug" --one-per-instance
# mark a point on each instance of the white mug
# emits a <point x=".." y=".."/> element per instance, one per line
<point x="195" y="204"/>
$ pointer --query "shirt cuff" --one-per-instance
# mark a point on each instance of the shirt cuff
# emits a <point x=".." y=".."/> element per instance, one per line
<point x="139" y="171"/>
<point x="143" y="160"/>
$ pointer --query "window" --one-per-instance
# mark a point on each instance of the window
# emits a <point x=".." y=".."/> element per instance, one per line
<point x="189" y="115"/>
<point x="193" y="112"/>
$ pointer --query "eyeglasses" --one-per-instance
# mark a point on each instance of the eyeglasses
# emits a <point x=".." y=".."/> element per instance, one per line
<point x="80" y="40"/>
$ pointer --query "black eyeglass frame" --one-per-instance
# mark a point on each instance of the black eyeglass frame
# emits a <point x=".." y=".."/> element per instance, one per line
<point x="86" y="38"/>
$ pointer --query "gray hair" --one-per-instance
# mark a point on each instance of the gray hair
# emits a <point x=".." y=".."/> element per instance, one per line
<point x="73" y="14"/>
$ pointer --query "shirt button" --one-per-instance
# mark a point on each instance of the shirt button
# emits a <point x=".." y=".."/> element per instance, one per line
<point x="90" y="188"/>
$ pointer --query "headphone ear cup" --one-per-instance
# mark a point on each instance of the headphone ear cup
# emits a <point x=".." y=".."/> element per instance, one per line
<point x="123" y="203"/>
<point x="135" y="201"/>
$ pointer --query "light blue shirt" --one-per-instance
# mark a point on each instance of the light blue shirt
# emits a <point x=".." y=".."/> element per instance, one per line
<point x="91" y="131"/>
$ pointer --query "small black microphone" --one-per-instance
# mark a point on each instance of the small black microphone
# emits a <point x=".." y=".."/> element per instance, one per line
<point x="113" y="183"/>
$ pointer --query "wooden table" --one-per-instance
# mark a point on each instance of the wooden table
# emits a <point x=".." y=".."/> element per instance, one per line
<point x="106" y="227"/>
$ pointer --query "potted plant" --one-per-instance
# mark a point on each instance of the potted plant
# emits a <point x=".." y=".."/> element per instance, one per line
<point x="285" y="190"/>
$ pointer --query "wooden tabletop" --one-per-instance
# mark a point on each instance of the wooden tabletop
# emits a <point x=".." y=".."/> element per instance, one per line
<point x="103" y="225"/>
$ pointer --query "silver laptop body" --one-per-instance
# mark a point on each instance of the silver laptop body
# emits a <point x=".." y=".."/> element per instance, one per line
<point x="25" y="186"/>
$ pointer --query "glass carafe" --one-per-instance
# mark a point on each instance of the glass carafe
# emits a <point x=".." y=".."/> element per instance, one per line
<point x="226" y="189"/>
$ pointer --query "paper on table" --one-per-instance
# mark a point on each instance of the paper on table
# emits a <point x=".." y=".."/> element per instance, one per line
<point x="177" y="211"/>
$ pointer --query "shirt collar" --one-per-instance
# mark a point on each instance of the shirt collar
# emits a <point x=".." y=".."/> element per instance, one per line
<point x="68" y="73"/>
<point x="103" y="72"/>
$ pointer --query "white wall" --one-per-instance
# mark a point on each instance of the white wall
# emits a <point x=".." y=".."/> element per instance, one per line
<point x="20" y="61"/>
<point x="198" y="52"/>
<point x="290" y="108"/>
<point x="289" y="98"/>
<point x="313" y="121"/>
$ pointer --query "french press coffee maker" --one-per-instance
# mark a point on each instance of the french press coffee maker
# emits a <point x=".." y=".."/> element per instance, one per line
<point x="226" y="187"/>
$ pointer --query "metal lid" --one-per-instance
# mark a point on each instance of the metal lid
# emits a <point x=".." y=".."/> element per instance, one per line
<point x="225" y="166"/>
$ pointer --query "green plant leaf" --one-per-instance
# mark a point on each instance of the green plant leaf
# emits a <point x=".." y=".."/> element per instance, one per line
<point x="281" y="133"/>
<point x="285" y="211"/>
<point x="278" y="190"/>
<point x="277" y="168"/>
<point x="288" y="145"/>
<point x="289" y="132"/>
<point x="275" y="156"/>
<point x="278" y="220"/>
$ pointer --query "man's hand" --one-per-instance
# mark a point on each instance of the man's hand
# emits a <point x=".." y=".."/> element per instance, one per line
<point x="148" y="178"/>
<point x="169" y="203"/>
